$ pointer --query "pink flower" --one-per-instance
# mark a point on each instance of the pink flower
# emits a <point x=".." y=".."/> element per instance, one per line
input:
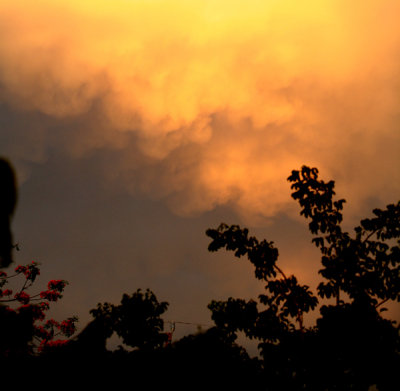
<point x="20" y="269"/>
<point x="42" y="333"/>
<point x="37" y="312"/>
<point x="68" y="327"/>
<point x="6" y="292"/>
<point x="51" y="323"/>
<point x="56" y="344"/>
<point x="46" y="344"/>
<point x="57" y="285"/>
<point x="50" y="295"/>
<point x="30" y="271"/>
<point x="44" y="305"/>
<point x="22" y="297"/>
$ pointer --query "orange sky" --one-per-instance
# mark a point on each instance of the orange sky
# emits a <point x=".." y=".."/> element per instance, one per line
<point x="221" y="99"/>
<point x="256" y="89"/>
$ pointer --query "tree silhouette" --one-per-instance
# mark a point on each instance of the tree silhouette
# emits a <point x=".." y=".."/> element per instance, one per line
<point x="364" y="268"/>
<point x="211" y="360"/>
<point x="137" y="320"/>
<point x="24" y="329"/>
<point x="351" y="346"/>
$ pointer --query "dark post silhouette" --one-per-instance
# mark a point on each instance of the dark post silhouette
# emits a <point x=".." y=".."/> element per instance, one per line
<point x="8" y="199"/>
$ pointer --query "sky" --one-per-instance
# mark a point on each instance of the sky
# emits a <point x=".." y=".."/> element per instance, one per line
<point x="135" y="125"/>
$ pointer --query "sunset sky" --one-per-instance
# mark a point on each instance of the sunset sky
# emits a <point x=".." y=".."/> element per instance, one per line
<point x="135" y="125"/>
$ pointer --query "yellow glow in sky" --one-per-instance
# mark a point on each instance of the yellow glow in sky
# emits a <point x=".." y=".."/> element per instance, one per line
<point x="257" y="88"/>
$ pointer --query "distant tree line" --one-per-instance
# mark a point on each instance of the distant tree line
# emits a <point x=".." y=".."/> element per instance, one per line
<point x="352" y="346"/>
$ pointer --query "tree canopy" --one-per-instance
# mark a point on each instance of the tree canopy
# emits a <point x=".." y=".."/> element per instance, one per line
<point x="351" y="346"/>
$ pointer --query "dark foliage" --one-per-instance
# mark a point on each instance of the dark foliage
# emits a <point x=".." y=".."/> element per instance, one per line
<point x="351" y="346"/>
<point x="136" y="320"/>
<point x="16" y="331"/>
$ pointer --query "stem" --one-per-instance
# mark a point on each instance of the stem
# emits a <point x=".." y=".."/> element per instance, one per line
<point x="299" y="317"/>
<point x="382" y="302"/>
<point x="24" y="286"/>
<point x="280" y="271"/>
<point x="337" y="296"/>
<point x="13" y="275"/>
<point x="372" y="233"/>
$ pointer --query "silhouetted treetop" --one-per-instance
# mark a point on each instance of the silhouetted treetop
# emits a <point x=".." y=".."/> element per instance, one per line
<point x="363" y="268"/>
<point x="137" y="320"/>
<point x="351" y="346"/>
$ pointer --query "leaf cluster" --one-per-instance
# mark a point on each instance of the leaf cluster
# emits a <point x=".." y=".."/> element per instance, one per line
<point x="363" y="266"/>
<point x="286" y="298"/>
<point x="137" y="319"/>
<point x="351" y="346"/>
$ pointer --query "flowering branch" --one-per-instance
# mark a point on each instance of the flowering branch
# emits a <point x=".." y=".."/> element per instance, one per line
<point x="43" y="332"/>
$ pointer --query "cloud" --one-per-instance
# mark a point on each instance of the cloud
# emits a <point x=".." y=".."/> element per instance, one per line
<point x="208" y="103"/>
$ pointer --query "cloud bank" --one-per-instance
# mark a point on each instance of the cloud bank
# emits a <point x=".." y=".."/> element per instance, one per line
<point x="208" y="103"/>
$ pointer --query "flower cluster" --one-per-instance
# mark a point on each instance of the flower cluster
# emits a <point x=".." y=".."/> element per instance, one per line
<point x="43" y="334"/>
<point x="57" y="343"/>
<point x="68" y="326"/>
<point x="31" y="271"/>
<point x="6" y="292"/>
<point x="22" y="297"/>
<point x="38" y="310"/>
<point x="51" y="328"/>
<point x="57" y="285"/>
<point x="45" y="345"/>
<point x="43" y="331"/>
<point x="50" y="295"/>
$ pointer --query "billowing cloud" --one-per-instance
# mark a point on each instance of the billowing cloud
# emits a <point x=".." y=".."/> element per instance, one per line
<point x="210" y="102"/>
